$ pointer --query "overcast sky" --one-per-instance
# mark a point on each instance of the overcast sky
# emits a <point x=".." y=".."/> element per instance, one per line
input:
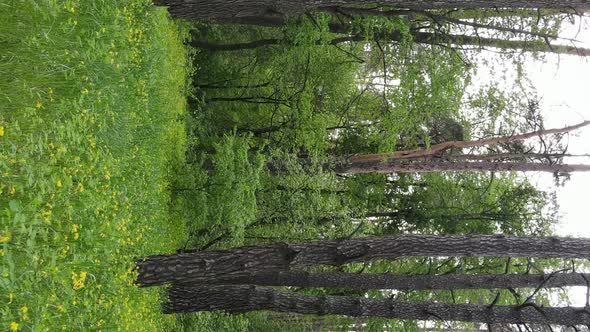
<point x="563" y="84"/>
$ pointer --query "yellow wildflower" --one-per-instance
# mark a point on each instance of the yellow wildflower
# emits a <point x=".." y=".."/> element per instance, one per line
<point x="14" y="326"/>
<point x="58" y="183"/>
<point x="46" y="214"/>
<point x="38" y="105"/>
<point x="81" y="187"/>
<point x="23" y="311"/>
<point x="12" y="190"/>
<point x="61" y="308"/>
<point x="1" y="131"/>
<point x="75" y="231"/>
<point x="78" y="280"/>
<point x="4" y="238"/>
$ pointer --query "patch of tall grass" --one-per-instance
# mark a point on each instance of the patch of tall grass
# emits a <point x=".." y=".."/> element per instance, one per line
<point x="92" y="101"/>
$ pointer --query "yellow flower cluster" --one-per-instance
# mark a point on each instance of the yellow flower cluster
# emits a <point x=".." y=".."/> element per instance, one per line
<point x="4" y="238"/>
<point x="23" y="312"/>
<point x="75" y="231"/>
<point x="78" y="280"/>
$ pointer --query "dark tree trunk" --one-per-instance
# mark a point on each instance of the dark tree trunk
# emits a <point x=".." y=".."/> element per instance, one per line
<point x="366" y="281"/>
<point x="234" y="47"/>
<point x="238" y="299"/>
<point x="418" y="37"/>
<point x="202" y="266"/>
<point x="225" y="9"/>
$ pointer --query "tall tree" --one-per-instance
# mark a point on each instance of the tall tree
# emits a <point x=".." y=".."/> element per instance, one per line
<point x="446" y="165"/>
<point x="202" y="266"/>
<point x="237" y="299"/>
<point x="212" y="9"/>
<point x="439" y="148"/>
<point x="434" y="159"/>
<point x="428" y="38"/>
<point x="367" y="281"/>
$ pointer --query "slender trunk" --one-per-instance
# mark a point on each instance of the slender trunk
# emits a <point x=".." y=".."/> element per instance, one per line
<point x="238" y="299"/>
<point x="464" y="144"/>
<point x="213" y="86"/>
<point x="540" y="44"/>
<point x="258" y="132"/>
<point x="411" y="214"/>
<point x="425" y="166"/>
<point x="202" y="266"/>
<point x="482" y="42"/>
<point x="419" y="37"/>
<point x="235" y="47"/>
<point x="513" y="156"/>
<point x="366" y="281"/>
<point x="438" y="18"/>
<point x="225" y="9"/>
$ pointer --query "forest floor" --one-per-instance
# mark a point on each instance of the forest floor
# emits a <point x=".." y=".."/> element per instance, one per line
<point x="92" y="106"/>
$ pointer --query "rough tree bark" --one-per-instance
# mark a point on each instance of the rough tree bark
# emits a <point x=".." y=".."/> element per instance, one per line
<point x="215" y="9"/>
<point x="460" y="41"/>
<point x="441" y="165"/>
<point x="237" y="299"/>
<point x="205" y="265"/>
<point x="366" y="281"/>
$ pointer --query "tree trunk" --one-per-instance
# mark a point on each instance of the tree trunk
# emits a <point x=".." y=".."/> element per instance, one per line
<point x="437" y="148"/>
<point x="241" y="262"/>
<point x="238" y="299"/>
<point x="409" y="213"/>
<point x="482" y="42"/>
<point x="220" y="9"/>
<point x="419" y="37"/>
<point x="438" y="165"/>
<point x="234" y="47"/>
<point x="366" y="281"/>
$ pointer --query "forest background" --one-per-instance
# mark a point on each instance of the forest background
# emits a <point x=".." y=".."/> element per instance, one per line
<point x="103" y="160"/>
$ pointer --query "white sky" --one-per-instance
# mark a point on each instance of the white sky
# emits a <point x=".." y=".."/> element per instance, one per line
<point x="563" y="84"/>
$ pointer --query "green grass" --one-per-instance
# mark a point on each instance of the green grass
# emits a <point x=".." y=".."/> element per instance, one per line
<point x="92" y="107"/>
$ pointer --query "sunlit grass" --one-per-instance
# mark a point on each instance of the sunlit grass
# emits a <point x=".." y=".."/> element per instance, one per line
<point x="91" y="98"/>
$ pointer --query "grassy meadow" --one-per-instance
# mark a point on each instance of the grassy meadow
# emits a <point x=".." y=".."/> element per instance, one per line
<point x="92" y="106"/>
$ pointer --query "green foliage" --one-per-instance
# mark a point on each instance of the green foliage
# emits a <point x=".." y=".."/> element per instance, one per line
<point x="308" y="102"/>
<point x="90" y="94"/>
<point x="220" y="197"/>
